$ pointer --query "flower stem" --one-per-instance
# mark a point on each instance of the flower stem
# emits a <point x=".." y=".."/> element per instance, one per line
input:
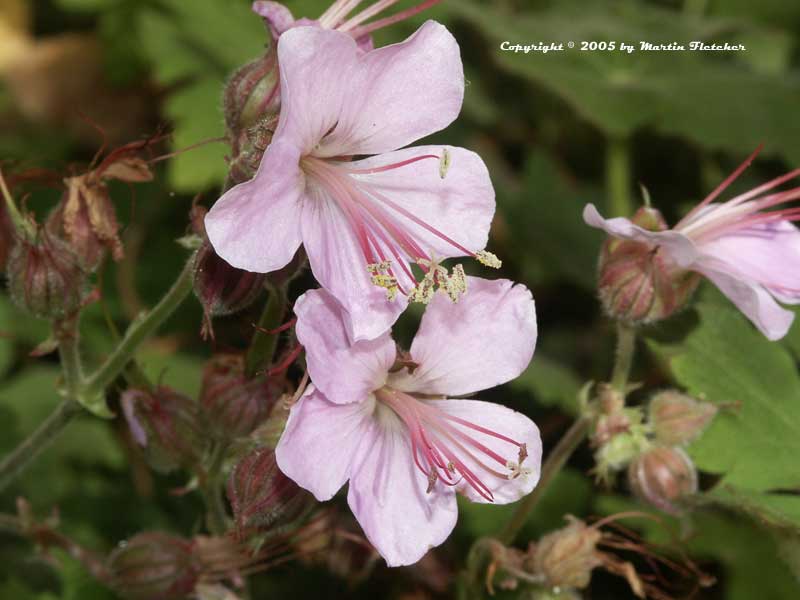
<point x="138" y="331"/>
<point x="13" y="464"/>
<point x="263" y="346"/>
<point x="618" y="177"/>
<point x="557" y="459"/>
<point x="626" y="346"/>
<point x="216" y="515"/>
<point x="17" y="218"/>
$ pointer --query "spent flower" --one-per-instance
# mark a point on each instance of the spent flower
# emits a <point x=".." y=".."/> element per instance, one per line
<point x="397" y="436"/>
<point x="746" y="249"/>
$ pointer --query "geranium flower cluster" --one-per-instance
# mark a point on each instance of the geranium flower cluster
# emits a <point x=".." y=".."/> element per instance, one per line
<point x="376" y="218"/>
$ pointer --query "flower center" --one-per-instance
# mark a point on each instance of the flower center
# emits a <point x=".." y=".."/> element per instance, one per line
<point x="448" y="448"/>
<point x="388" y="234"/>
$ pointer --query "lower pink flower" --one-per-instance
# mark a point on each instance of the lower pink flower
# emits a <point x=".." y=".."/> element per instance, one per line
<point x="751" y="253"/>
<point x="384" y="420"/>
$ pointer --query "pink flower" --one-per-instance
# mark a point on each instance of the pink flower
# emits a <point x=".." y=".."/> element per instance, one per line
<point x="280" y="19"/>
<point x="751" y="254"/>
<point x="362" y="220"/>
<point x="384" y="420"/>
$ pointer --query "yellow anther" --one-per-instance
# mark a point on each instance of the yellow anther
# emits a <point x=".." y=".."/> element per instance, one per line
<point x="383" y="279"/>
<point x="456" y="283"/>
<point x="488" y="259"/>
<point x="444" y="163"/>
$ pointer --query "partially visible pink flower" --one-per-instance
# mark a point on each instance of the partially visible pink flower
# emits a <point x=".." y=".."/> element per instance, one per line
<point x="750" y="253"/>
<point x="387" y="423"/>
<point x="280" y="19"/>
<point x="362" y="220"/>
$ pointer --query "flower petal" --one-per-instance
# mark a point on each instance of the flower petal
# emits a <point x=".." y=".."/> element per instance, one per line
<point x="460" y="205"/>
<point x="679" y="247"/>
<point x="486" y="339"/>
<point x="768" y="254"/>
<point x="256" y="225"/>
<point x="397" y="94"/>
<point x="344" y="372"/>
<point x="316" y="67"/>
<point x="509" y="423"/>
<point x="339" y="265"/>
<point x="278" y="17"/>
<point x="749" y="297"/>
<point x="320" y="442"/>
<point x="388" y="496"/>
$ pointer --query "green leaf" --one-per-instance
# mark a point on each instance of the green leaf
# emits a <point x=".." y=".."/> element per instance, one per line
<point x="196" y="45"/>
<point x="755" y="439"/>
<point x="552" y="383"/>
<point x="686" y="93"/>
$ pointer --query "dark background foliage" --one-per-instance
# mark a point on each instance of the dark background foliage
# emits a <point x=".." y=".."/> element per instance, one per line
<point x="557" y="131"/>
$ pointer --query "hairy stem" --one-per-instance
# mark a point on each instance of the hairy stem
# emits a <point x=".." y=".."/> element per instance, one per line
<point x="554" y="463"/>
<point x="618" y="177"/>
<point x="216" y="515"/>
<point x="141" y="328"/>
<point x="263" y="345"/>
<point x="623" y="359"/>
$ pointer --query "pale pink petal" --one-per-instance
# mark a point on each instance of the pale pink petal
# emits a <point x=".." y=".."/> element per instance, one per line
<point x="460" y="205"/>
<point x="679" y="247"/>
<point x="768" y="254"/>
<point x="340" y="267"/>
<point x="397" y="94"/>
<point x="504" y="421"/>
<point x="256" y="225"/>
<point x="317" y="67"/>
<point x="388" y="496"/>
<point x="344" y="372"/>
<point x="278" y="17"/>
<point x="485" y="339"/>
<point x="320" y="441"/>
<point x="751" y="298"/>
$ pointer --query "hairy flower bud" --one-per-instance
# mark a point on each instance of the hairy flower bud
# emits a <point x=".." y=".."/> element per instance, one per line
<point x="153" y="566"/>
<point x="165" y="424"/>
<point x="251" y="103"/>
<point x="233" y="404"/>
<point x="45" y="277"/>
<point x="221" y="288"/>
<point x="663" y="477"/>
<point x="639" y="284"/>
<point x="678" y="419"/>
<point x="567" y="557"/>
<point x="261" y="495"/>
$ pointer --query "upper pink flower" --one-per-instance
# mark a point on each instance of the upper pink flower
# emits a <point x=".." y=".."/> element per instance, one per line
<point x="361" y="220"/>
<point x="751" y="254"/>
<point x="384" y="421"/>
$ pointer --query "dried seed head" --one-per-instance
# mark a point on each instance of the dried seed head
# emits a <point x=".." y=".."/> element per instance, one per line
<point x="567" y="557"/>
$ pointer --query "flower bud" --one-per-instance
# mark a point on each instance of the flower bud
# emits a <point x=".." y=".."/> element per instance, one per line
<point x="663" y="477"/>
<point x="165" y="424"/>
<point x="637" y="283"/>
<point x="45" y="277"/>
<point x="269" y="433"/>
<point x="567" y="557"/>
<point x="251" y="103"/>
<point x="678" y="419"/>
<point x="232" y="404"/>
<point x="221" y="288"/>
<point x="153" y="566"/>
<point x="261" y="495"/>
<point x="618" y="438"/>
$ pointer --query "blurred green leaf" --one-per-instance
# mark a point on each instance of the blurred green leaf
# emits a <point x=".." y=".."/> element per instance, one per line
<point x="692" y="94"/>
<point x="552" y="383"/>
<point x="195" y="46"/>
<point x="754" y="440"/>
